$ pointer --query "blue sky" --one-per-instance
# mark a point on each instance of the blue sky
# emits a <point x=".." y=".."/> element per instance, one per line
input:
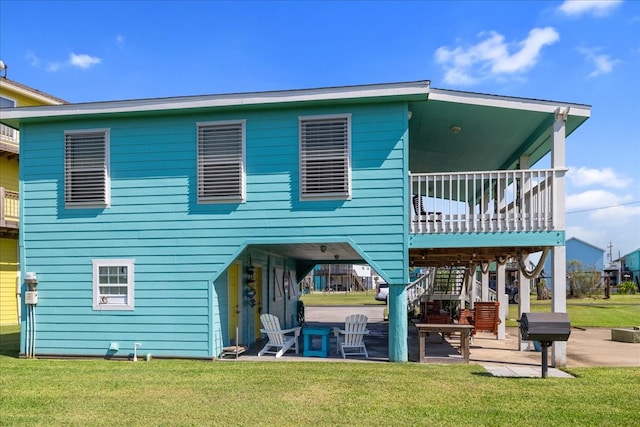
<point x="584" y="52"/>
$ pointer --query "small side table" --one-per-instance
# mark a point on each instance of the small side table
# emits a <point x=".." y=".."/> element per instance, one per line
<point x="308" y="333"/>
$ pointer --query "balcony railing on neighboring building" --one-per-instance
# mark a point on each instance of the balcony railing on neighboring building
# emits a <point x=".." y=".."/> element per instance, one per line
<point x="483" y="202"/>
<point x="9" y="139"/>
<point x="9" y="212"/>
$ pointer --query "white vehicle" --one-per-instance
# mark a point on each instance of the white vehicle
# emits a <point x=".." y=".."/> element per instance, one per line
<point x="382" y="294"/>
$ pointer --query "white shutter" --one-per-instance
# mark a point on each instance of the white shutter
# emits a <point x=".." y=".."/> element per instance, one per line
<point x="324" y="157"/>
<point x="221" y="162"/>
<point x="86" y="174"/>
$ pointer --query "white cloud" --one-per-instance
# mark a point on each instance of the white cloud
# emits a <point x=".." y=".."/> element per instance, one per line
<point x="600" y="217"/>
<point x="619" y="215"/>
<point x="491" y="57"/>
<point x="591" y="199"/>
<point x="52" y="67"/>
<point x="594" y="236"/>
<point x="604" y="206"/>
<point x="84" y="61"/>
<point x="120" y="40"/>
<point x="595" y="7"/>
<point x="603" y="63"/>
<point x="33" y="59"/>
<point x="583" y="176"/>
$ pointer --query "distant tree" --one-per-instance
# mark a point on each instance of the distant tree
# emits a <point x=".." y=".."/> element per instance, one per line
<point x="583" y="280"/>
<point x="541" y="289"/>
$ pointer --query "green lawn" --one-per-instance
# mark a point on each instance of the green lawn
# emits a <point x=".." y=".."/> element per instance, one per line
<point x="618" y="311"/>
<point x="341" y="298"/>
<point x="195" y="393"/>
<point x="230" y="393"/>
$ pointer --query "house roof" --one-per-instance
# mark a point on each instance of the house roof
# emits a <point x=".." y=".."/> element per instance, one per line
<point x="417" y="90"/>
<point x="498" y="130"/>
<point x="584" y="243"/>
<point x="30" y="92"/>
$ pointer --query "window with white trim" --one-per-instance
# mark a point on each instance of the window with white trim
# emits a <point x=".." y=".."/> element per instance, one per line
<point x="6" y="131"/>
<point x="221" y="161"/>
<point x="325" y="157"/>
<point x="113" y="284"/>
<point x="86" y="168"/>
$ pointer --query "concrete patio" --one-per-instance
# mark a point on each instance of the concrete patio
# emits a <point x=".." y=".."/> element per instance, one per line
<point x="585" y="348"/>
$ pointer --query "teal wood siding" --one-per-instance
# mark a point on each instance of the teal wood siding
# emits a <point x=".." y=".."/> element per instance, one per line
<point x="181" y="249"/>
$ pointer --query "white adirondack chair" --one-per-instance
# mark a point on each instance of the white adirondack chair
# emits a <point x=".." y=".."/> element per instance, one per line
<point x="352" y="336"/>
<point x="279" y="339"/>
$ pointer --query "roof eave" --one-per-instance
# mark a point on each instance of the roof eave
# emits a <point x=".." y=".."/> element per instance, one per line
<point x="515" y="103"/>
<point x="410" y="90"/>
<point x="32" y="93"/>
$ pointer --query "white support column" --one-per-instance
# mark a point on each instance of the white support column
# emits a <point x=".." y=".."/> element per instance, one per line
<point x="559" y="300"/>
<point x="524" y="305"/>
<point x="485" y="285"/>
<point x="503" y="298"/>
<point x="558" y="162"/>
<point x="470" y="285"/>
<point x="559" y="260"/>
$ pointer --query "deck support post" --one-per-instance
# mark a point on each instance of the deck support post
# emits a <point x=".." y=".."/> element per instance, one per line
<point x="500" y="292"/>
<point x="398" y="324"/>
<point x="485" y="286"/>
<point x="559" y="260"/>
<point x="524" y="304"/>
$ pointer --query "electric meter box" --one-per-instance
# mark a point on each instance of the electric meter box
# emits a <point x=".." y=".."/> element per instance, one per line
<point x="31" y="297"/>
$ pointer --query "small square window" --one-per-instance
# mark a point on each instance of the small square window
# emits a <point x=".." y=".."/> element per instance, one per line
<point x="113" y="284"/>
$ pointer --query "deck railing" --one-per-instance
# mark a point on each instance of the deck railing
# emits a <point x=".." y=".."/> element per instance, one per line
<point x="483" y="202"/>
<point x="417" y="288"/>
<point x="9" y="212"/>
<point x="9" y="139"/>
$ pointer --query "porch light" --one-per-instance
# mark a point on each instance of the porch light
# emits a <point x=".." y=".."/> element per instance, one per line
<point x="323" y="248"/>
<point x="456" y="129"/>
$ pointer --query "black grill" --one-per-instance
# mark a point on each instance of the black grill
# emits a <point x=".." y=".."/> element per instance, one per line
<point x="545" y="328"/>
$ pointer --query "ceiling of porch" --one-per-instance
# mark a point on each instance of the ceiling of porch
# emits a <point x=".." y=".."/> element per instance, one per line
<point x="458" y="131"/>
<point x="319" y="253"/>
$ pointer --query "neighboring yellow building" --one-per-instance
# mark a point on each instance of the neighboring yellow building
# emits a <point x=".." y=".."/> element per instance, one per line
<point x="12" y="94"/>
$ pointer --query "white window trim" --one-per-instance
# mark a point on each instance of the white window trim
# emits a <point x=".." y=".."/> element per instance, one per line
<point x="243" y="175"/>
<point x="8" y="98"/>
<point x="107" y="183"/>
<point x="6" y="131"/>
<point x="98" y="302"/>
<point x="327" y="196"/>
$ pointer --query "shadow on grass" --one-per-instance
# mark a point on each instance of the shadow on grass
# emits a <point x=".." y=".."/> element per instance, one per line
<point x="10" y="344"/>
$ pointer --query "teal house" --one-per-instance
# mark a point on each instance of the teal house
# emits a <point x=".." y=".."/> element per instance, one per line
<point x="168" y="225"/>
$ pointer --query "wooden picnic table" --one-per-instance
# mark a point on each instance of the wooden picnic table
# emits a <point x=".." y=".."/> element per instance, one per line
<point x="464" y="330"/>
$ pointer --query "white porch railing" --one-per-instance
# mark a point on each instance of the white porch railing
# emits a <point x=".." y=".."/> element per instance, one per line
<point x="483" y="202"/>
<point x="417" y="288"/>
<point x="9" y="208"/>
<point x="9" y="138"/>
